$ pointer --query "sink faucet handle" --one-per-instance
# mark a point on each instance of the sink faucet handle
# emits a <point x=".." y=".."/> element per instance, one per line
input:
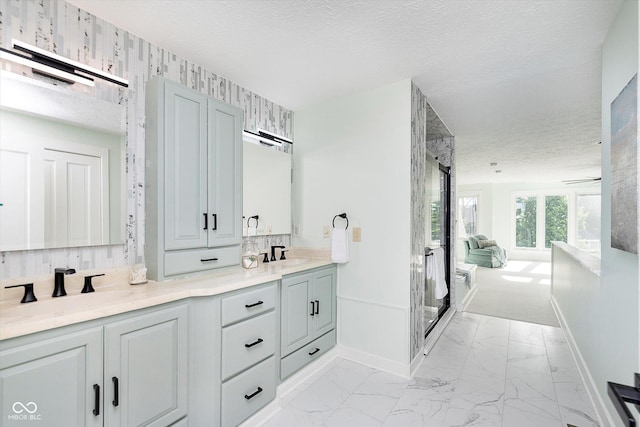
<point x="65" y="270"/>
<point x="88" y="287"/>
<point x="266" y="256"/>
<point x="282" y="253"/>
<point x="28" y="296"/>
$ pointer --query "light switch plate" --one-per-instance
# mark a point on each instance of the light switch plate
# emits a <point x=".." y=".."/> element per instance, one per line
<point x="325" y="231"/>
<point x="357" y="234"/>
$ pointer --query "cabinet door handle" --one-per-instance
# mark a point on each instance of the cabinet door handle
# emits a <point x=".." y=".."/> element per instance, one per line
<point x="215" y="221"/>
<point x="116" y="400"/>
<point x="206" y="221"/>
<point x="314" y="351"/>
<point x="317" y="307"/>
<point x="96" y="405"/>
<point x="256" y="342"/>
<point x="208" y="259"/>
<point x="254" y="304"/>
<point x="313" y="308"/>
<point x="254" y="394"/>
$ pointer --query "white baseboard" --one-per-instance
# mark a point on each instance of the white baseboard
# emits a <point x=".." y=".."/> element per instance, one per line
<point x="467" y="299"/>
<point x="592" y="390"/>
<point x="373" y="361"/>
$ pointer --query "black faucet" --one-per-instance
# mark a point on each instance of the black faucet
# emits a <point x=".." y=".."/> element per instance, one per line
<point x="273" y="252"/>
<point x="58" y="290"/>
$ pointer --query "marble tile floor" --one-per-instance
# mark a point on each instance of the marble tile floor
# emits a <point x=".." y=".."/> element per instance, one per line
<point x="483" y="371"/>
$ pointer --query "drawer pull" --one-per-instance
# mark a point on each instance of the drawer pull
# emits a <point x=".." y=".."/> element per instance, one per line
<point x="254" y="304"/>
<point x="317" y="307"/>
<point x="96" y="405"/>
<point x="254" y="394"/>
<point x="215" y="221"/>
<point x="208" y="259"/>
<point x="256" y="342"/>
<point x="314" y="352"/>
<point x="116" y="400"/>
<point x="313" y="308"/>
<point x="206" y="221"/>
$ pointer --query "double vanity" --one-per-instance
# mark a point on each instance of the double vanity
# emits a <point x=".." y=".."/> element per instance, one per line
<point x="207" y="350"/>
<point x="205" y="342"/>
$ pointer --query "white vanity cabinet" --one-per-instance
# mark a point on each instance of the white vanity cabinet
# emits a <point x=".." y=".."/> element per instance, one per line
<point x="308" y="304"/>
<point x="193" y="181"/>
<point x="68" y="376"/>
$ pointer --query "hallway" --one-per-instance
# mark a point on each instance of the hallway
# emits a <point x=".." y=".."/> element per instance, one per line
<point x="483" y="371"/>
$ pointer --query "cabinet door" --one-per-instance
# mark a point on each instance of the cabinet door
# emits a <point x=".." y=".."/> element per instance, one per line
<point x="51" y="382"/>
<point x="323" y="293"/>
<point x="225" y="174"/>
<point x="185" y="165"/>
<point x="146" y="358"/>
<point x="297" y="317"/>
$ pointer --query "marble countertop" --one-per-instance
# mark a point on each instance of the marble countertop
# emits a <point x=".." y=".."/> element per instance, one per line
<point x="587" y="260"/>
<point x="114" y="295"/>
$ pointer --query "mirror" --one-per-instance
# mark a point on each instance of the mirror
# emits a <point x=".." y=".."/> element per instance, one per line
<point x="61" y="167"/>
<point x="266" y="191"/>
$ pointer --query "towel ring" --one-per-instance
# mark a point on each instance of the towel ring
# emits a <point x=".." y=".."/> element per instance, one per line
<point x="342" y="215"/>
<point x="256" y="217"/>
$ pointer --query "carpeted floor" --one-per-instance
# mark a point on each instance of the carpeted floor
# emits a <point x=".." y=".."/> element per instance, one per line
<point x="519" y="291"/>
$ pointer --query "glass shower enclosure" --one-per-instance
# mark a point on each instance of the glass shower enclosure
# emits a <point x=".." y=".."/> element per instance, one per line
<point x="437" y="227"/>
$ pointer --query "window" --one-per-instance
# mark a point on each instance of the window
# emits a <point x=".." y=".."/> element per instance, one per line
<point x="541" y="219"/>
<point x="555" y="219"/>
<point x="468" y="214"/>
<point x="588" y="222"/>
<point x="526" y="221"/>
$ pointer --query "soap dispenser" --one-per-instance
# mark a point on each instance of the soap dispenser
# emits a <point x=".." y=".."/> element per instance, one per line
<point x="250" y="253"/>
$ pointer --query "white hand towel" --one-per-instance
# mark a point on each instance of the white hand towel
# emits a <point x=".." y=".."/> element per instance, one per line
<point x="339" y="246"/>
<point x="252" y="231"/>
<point x="436" y="270"/>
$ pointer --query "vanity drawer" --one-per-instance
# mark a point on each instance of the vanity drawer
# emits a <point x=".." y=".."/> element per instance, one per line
<point x="299" y="358"/>
<point x="189" y="261"/>
<point x="243" y="395"/>
<point x="248" y="303"/>
<point x="246" y="343"/>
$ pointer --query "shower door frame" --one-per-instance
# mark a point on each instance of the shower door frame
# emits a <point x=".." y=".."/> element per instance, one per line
<point x="445" y="236"/>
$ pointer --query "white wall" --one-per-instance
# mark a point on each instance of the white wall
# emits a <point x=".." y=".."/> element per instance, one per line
<point x="604" y="318"/>
<point x="353" y="155"/>
<point x="495" y="211"/>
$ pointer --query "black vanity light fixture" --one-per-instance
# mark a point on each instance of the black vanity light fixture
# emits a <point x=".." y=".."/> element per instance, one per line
<point x="56" y="66"/>
<point x="267" y="138"/>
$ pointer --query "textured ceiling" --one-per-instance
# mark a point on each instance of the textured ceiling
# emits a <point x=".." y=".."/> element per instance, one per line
<point x="516" y="81"/>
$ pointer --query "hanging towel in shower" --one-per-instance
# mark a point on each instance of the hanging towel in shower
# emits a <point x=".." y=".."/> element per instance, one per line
<point x="435" y="272"/>
<point x="339" y="246"/>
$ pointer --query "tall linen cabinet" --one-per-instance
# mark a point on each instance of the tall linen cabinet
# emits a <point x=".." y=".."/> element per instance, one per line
<point x="193" y="181"/>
